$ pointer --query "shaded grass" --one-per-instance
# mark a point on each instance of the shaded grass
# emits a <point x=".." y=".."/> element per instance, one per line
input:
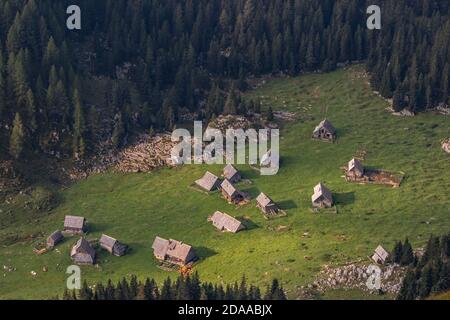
<point x="135" y="208"/>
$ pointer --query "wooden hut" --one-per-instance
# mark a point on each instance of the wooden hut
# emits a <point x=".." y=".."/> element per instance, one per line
<point x="266" y="204"/>
<point x="113" y="246"/>
<point x="225" y="222"/>
<point x="82" y="252"/>
<point x="322" y="197"/>
<point x="325" y="131"/>
<point x="355" y="169"/>
<point x="230" y="193"/>
<point x="55" y="238"/>
<point x="231" y="174"/>
<point x="380" y="255"/>
<point x="208" y="182"/>
<point x="74" y="224"/>
<point x="173" y="251"/>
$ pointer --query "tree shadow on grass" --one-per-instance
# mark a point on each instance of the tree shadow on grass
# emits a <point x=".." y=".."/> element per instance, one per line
<point x="344" y="198"/>
<point x="204" y="253"/>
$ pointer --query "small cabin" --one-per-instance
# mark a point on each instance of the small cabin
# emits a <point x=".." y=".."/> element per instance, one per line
<point x="231" y="174"/>
<point x="82" y="252"/>
<point x="113" y="246"/>
<point x="74" y="224"/>
<point x="208" y="182"/>
<point x="380" y="255"/>
<point x="55" y="238"/>
<point x="173" y="251"/>
<point x="325" y="131"/>
<point x="322" y="197"/>
<point x="266" y="204"/>
<point x="230" y="193"/>
<point x="355" y="169"/>
<point x="225" y="222"/>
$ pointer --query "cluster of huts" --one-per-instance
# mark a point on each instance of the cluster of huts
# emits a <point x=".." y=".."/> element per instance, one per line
<point x="179" y="253"/>
<point x="83" y="253"/>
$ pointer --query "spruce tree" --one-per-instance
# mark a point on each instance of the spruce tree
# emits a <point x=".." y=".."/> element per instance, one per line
<point x="17" y="138"/>
<point x="407" y="257"/>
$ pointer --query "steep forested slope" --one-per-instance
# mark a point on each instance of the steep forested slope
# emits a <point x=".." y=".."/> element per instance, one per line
<point x="138" y="64"/>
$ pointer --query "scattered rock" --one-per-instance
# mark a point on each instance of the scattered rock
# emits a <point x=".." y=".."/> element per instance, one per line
<point x="355" y="276"/>
<point x="446" y="145"/>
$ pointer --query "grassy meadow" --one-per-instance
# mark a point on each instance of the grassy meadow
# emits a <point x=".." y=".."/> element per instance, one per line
<point x="135" y="208"/>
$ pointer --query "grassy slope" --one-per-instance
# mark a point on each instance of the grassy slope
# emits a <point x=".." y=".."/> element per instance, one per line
<point x="135" y="208"/>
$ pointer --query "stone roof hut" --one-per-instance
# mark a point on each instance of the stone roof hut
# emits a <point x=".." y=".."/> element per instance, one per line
<point x="55" y="238"/>
<point x="74" y="224"/>
<point x="231" y="173"/>
<point x="266" y="204"/>
<point x="113" y="246"/>
<point x="225" y="222"/>
<point x="325" y="131"/>
<point x="208" y="182"/>
<point x="322" y="197"/>
<point x="82" y="252"/>
<point x="381" y="255"/>
<point x="230" y="193"/>
<point x="173" y="251"/>
<point x="355" y="169"/>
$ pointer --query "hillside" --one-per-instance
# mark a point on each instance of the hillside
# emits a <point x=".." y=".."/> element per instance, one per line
<point x="137" y="207"/>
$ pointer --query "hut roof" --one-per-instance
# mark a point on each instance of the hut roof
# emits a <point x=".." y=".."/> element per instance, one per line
<point x="325" y="124"/>
<point x="173" y="248"/>
<point x="107" y="242"/>
<point x="56" y="236"/>
<point x="83" y="247"/>
<point x="74" y="222"/>
<point x="160" y="246"/>
<point x="321" y="190"/>
<point x="228" y="187"/>
<point x="208" y="181"/>
<point x="229" y="171"/>
<point x="382" y="253"/>
<point x="263" y="200"/>
<point x="224" y="221"/>
<point x="355" y="164"/>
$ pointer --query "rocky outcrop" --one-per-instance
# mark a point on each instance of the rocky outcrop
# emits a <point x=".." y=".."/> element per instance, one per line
<point x="355" y="276"/>
<point x="446" y="145"/>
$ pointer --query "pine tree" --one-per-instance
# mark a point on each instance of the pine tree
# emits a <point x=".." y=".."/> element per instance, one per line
<point x="118" y="131"/>
<point x="397" y="253"/>
<point x="85" y="292"/>
<point x="408" y="288"/>
<point x="407" y="257"/>
<point x="166" y="290"/>
<point x="425" y="282"/>
<point x="231" y="103"/>
<point x="270" y="116"/>
<point x="78" y="145"/>
<point x="17" y="138"/>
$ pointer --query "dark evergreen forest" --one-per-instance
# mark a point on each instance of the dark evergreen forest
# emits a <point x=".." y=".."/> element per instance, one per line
<point x="187" y="287"/>
<point x="138" y="65"/>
